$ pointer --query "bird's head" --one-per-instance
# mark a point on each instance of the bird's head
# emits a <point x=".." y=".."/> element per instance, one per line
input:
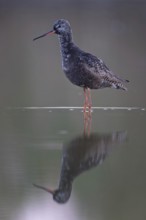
<point x="60" y="27"/>
<point x="59" y="195"/>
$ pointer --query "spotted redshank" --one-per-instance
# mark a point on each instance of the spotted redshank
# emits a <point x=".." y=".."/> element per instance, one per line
<point x="81" y="68"/>
<point x="79" y="155"/>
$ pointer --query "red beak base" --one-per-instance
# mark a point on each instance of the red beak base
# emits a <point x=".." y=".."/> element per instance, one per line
<point x="44" y="188"/>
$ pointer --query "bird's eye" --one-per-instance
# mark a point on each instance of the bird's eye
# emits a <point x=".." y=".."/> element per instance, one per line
<point x="58" y="26"/>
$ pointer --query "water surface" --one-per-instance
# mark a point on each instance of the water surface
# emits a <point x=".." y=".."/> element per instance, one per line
<point x="103" y="160"/>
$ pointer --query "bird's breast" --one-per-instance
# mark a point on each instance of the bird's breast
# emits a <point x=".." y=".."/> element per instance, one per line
<point x="66" y="62"/>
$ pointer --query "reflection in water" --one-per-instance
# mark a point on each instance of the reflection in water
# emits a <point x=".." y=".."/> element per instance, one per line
<point x="81" y="154"/>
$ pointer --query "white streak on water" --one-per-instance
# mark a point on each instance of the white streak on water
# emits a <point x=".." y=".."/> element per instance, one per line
<point x="71" y="108"/>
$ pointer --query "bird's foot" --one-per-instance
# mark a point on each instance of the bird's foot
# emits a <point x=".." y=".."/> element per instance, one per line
<point x="87" y="109"/>
<point x="87" y="121"/>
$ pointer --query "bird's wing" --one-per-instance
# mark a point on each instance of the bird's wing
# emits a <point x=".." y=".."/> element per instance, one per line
<point x="97" y="67"/>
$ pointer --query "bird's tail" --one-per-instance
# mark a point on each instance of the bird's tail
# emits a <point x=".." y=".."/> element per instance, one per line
<point x="119" y="84"/>
<point x="125" y="80"/>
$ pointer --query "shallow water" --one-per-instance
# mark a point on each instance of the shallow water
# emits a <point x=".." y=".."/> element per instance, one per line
<point x="102" y="157"/>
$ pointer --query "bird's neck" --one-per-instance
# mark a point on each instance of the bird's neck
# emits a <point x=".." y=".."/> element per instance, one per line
<point x="65" y="45"/>
<point x="65" y="40"/>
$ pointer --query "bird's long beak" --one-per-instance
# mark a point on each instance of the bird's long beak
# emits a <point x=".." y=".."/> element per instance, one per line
<point x="43" y="35"/>
<point x="42" y="187"/>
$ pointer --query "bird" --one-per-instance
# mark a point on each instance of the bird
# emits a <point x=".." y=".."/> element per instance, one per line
<point x="79" y="155"/>
<point x="82" y="68"/>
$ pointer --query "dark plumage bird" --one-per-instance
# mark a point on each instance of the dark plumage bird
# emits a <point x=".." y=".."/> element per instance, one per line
<point x="79" y="155"/>
<point x="81" y="68"/>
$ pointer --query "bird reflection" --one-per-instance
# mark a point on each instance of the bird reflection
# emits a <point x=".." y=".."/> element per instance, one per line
<point x="81" y="154"/>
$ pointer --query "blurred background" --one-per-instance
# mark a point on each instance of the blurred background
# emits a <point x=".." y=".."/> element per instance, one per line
<point x="32" y="140"/>
<point x="31" y="73"/>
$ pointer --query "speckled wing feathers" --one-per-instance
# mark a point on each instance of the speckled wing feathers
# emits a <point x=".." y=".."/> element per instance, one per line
<point x="101" y="72"/>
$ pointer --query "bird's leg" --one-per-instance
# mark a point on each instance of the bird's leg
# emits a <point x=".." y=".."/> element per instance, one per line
<point x="85" y="99"/>
<point x="87" y="111"/>
<point x="87" y="123"/>
<point x="89" y="99"/>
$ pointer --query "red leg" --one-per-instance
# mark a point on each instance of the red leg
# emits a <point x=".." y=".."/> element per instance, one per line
<point x="85" y="99"/>
<point x="89" y="99"/>
<point x="87" y="123"/>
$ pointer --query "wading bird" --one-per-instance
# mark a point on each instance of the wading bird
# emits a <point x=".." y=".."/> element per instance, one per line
<point x="81" y="68"/>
